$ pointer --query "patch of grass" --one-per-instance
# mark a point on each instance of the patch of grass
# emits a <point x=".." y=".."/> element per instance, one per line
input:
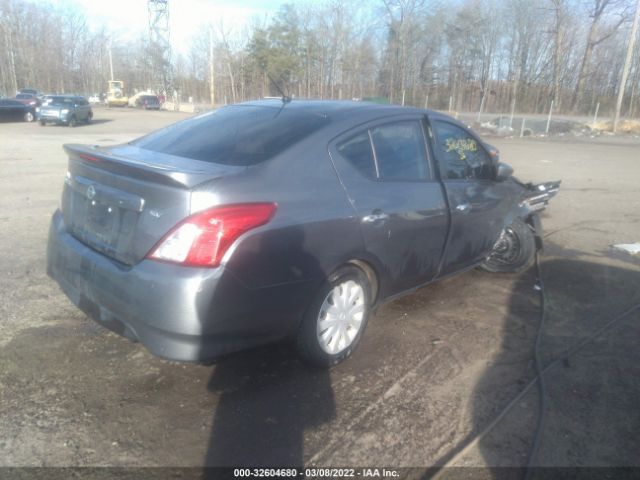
<point x="624" y="126"/>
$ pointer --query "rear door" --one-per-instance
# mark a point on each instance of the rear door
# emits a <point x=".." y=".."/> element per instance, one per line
<point x="479" y="205"/>
<point x="390" y="182"/>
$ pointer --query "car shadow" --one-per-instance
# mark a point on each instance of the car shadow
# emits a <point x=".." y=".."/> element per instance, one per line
<point x="98" y="121"/>
<point x="95" y="121"/>
<point x="266" y="398"/>
<point x="591" y="397"/>
<point x="267" y="401"/>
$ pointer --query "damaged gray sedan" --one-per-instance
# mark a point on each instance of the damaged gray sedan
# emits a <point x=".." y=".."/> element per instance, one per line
<point x="270" y="220"/>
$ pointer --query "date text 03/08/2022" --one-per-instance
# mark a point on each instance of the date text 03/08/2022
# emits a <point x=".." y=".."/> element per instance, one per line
<point x="316" y="472"/>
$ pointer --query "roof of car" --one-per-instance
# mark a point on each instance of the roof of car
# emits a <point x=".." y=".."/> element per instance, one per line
<point x="324" y="106"/>
<point x="335" y="109"/>
<point x="64" y="96"/>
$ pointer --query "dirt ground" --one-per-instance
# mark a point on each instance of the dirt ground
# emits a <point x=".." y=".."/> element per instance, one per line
<point x="434" y="369"/>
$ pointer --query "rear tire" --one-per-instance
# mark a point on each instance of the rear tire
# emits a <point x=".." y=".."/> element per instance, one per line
<point x="29" y="117"/>
<point x="334" y="323"/>
<point x="515" y="250"/>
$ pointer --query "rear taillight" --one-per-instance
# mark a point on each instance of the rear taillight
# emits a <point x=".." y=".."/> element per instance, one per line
<point x="201" y="240"/>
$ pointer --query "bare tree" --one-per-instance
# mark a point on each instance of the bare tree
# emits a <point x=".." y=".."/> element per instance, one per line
<point x="596" y="35"/>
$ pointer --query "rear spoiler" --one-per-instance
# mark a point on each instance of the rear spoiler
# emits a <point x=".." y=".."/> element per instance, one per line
<point x="146" y="165"/>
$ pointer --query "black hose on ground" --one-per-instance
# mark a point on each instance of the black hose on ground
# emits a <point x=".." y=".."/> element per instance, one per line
<point x="542" y="397"/>
<point x="539" y="380"/>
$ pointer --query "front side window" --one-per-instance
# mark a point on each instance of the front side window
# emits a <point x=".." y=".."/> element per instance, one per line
<point x="460" y="154"/>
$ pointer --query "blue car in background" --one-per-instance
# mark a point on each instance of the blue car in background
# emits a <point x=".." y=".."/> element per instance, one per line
<point x="65" y="110"/>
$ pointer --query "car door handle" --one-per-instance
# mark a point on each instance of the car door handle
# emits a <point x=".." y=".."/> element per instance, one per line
<point x="375" y="217"/>
<point x="463" y="207"/>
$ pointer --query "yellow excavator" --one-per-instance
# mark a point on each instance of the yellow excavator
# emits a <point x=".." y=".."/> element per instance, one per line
<point x="115" y="94"/>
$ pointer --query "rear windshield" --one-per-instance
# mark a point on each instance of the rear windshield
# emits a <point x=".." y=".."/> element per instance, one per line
<point x="149" y="98"/>
<point x="236" y="135"/>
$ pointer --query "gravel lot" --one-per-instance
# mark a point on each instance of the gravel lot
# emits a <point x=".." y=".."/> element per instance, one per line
<point x="434" y="368"/>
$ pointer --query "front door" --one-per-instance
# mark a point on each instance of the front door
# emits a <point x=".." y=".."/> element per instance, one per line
<point x="479" y="204"/>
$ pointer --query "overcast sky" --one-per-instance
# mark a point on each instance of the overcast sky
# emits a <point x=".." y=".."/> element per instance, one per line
<point x="130" y="17"/>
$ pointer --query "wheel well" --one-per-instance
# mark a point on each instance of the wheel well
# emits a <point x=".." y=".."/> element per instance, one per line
<point x="371" y="276"/>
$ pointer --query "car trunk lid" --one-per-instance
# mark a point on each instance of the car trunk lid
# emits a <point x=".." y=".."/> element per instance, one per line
<point x="121" y="200"/>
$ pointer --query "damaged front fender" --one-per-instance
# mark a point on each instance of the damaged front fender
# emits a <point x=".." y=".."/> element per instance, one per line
<point x="535" y="199"/>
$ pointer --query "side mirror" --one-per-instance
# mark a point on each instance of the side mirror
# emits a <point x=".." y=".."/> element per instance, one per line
<point x="504" y="171"/>
<point x="494" y="153"/>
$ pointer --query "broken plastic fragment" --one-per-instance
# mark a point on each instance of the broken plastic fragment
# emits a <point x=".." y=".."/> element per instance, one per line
<point x="632" y="248"/>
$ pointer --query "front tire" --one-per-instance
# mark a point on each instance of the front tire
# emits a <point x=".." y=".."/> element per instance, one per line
<point x="515" y="250"/>
<point x="336" y="319"/>
<point x="72" y="122"/>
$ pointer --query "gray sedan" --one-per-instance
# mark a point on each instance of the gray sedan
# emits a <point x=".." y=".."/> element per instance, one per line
<point x="270" y="220"/>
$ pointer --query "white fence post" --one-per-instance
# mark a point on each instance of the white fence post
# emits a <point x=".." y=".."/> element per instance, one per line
<point x="549" y="118"/>
<point x="513" y="109"/>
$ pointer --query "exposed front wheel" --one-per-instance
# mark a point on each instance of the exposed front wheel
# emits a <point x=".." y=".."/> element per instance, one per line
<point x="514" y="251"/>
<point x="333" y="325"/>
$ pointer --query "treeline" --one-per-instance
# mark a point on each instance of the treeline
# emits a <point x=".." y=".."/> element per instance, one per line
<point x="461" y="55"/>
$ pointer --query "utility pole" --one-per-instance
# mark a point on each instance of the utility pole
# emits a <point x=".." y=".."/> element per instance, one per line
<point x="212" y="78"/>
<point x="160" y="43"/>
<point x="627" y="66"/>
<point x="110" y="62"/>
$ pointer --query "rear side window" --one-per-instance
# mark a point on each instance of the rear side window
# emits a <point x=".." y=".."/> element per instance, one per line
<point x="400" y="151"/>
<point x="394" y="151"/>
<point x="358" y="152"/>
<point x="236" y="135"/>
<point x="460" y="155"/>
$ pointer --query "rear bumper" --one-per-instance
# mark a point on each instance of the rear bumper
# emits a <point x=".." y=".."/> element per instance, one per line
<point x="179" y="313"/>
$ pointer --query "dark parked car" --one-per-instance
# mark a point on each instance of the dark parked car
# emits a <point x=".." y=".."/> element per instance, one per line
<point x="65" y="110"/>
<point x="29" y="99"/>
<point x="15" y="111"/>
<point x="268" y="220"/>
<point x="32" y="91"/>
<point x="148" y="102"/>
